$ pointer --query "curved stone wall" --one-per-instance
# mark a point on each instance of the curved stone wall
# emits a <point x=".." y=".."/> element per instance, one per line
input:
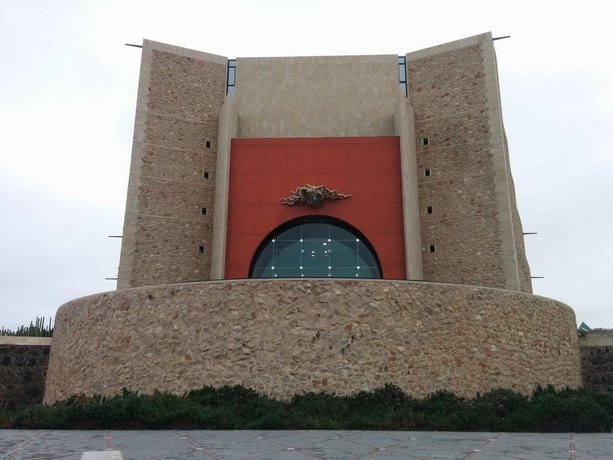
<point x="283" y="337"/>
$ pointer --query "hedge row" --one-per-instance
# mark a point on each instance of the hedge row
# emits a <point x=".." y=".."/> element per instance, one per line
<point x="387" y="408"/>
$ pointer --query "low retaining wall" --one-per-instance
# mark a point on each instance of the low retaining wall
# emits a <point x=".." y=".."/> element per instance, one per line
<point x="23" y="368"/>
<point x="597" y="359"/>
<point x="283" y="337"/>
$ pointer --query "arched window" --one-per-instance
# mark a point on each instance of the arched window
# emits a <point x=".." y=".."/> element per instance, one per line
<point x="315" y="247"/>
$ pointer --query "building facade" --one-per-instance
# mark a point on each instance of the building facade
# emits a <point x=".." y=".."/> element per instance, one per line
<point x="416" y="140"/>
<point x="318" y="224"/>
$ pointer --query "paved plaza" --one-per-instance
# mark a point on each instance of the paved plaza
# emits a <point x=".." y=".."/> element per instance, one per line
<point x="43" y="444"/>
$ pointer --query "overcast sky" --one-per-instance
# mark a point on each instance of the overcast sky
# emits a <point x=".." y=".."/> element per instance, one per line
<point x="67" y="102"/>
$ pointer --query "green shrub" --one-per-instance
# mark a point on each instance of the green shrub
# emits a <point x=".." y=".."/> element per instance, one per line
<point x="386" y="408"/>
<point x="572" y="410"/>
<point x="495" y="410"/>
<point x="317" y="411"/>
<point x="389" y="396"/>
<point x="241" y="408"/>
<point x="5" y="418"/>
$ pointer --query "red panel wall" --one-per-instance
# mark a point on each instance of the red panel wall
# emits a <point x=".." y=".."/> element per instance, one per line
<point x="262" y="171"/>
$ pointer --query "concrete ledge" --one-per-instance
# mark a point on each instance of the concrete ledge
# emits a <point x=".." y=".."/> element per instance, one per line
<point x="285" y="337"/>
<point x="18" y="340"/>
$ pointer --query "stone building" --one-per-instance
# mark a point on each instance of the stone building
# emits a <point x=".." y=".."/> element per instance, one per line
<point x="318" y="223"/>
<point x="417" y="140"/>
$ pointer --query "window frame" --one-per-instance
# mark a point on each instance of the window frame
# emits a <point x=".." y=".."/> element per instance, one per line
<point x="321" y="219"/>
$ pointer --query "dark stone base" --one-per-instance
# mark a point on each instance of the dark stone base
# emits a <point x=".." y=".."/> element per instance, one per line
<point x="23" y="370"/>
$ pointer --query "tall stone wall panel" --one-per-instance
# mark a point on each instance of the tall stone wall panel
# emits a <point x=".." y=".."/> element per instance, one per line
<point x="285" y="337"/>
<point x="173" y="162"/>
<point x="459" y="141"/>
<point x="447" y="91"/>
<point x="23" y="369"/>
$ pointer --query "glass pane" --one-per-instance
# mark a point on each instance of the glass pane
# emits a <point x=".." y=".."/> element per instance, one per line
<point x="285" y="245"/>
<point x="287" y="254"/>
<point x="315" y="230"/>
<point x="345" y="260"/>
<point x="343" y="247"/>
<point x="288" y="272"/>
<point x="316" y="272"/>
<point x="262" y="272"/>
<point x="339" y="233"/>
<point x="315" y="254"/>
<point x="340" y="272"/>
<point x="368" y="272"/>
<point x="290" y="234"/>
<point x="287" y="260"/>
<point x="315" y="246"/>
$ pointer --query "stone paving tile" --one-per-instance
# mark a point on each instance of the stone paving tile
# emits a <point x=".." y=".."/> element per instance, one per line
<point x="527" y="446"/>
<point x="10" y="440"/>
<point x="153" y="445"/>
<point x="305" y="445"/>
<point x="41" y="444"/>
<point x="593" y="446"/>
<point x="231" y="444"/>
<point x="439" y="445"/>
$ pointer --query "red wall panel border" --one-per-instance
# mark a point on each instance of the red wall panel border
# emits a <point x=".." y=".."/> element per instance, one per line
<point x="262" y="171"/>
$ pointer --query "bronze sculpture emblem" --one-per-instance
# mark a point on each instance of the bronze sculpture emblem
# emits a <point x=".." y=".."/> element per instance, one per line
<point x="313" y="196"/>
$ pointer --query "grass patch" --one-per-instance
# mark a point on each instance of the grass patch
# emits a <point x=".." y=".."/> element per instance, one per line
<point x="386" y="408"/>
